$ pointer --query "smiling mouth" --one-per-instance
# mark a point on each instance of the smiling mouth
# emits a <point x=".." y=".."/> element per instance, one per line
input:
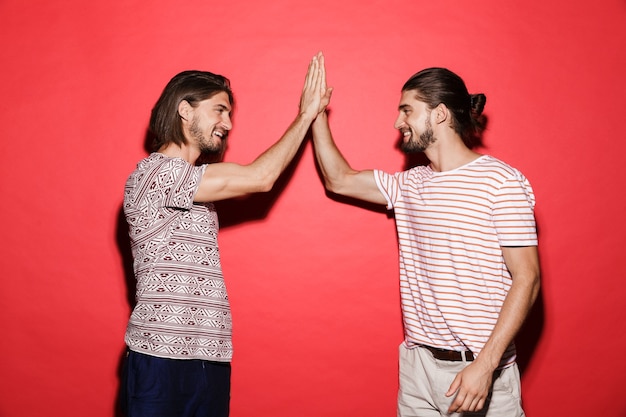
<point x="221" y="135"/>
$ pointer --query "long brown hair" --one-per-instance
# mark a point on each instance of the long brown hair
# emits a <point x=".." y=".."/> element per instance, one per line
<point x="191" y="86"/>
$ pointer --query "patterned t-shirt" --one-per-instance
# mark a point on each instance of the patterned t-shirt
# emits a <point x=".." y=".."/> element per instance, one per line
<point x="451" y="227"/>
<point x="182" y="309"/>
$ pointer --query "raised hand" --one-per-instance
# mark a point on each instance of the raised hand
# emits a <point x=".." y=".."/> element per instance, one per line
<point x="315" y="94"/>
<point x="310" y="100"/>
<point x="325" y="91"/>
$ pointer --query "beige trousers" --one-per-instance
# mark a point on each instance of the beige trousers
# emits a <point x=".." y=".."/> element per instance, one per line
<point x="424" y="381"/>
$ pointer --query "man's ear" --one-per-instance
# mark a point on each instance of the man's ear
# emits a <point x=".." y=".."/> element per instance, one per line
<point x="441" y="113"/>
<point x="185" y="110"/>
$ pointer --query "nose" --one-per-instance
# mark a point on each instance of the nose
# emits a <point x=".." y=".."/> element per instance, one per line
<point x="226" y="122"/>
<point x="399" y="121"/>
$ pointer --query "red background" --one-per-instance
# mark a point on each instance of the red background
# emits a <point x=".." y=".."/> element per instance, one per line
<point x="312" y="279"/>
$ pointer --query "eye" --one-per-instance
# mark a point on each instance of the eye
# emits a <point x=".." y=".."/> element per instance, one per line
<point x="221" y="109"/>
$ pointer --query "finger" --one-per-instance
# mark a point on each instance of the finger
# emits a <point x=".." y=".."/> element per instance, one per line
<point x="317" y="81"/>
<point x="328" y="94"/>
<point x="465" y="404"/>
<point x="311" y="73"/>
<point x="455" y="407"/>
<point x="481" y="404"/>
<point x="470" y="403"/>
<point x="323" y="69"/>
<point x="457" y="404"/>
<point x="474" y="404"/>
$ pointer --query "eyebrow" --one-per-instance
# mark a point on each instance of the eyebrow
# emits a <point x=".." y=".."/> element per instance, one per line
<point x="404" y="107"/>
<point x="222" y="107"/>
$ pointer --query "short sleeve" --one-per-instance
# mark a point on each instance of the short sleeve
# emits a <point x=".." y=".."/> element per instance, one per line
<point x="388" y="186"/>
<point x="513" y="212"/>
<point x="166" y="182"/>
<point x="180" y="182"/>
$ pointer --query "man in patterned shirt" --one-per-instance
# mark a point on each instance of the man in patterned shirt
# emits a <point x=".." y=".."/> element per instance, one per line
<point x="469" y="269"/>
<point x="179" y="333"/>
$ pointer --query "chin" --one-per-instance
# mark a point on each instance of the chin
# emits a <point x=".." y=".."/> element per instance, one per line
<point x="409" y="147"/>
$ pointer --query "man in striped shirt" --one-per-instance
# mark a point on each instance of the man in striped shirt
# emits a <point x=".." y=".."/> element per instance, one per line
<point x="469" y="269"/>
<point x="179" y="333"/>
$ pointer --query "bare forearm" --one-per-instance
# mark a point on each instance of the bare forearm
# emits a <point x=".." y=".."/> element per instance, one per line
<point x="339" y="177"/>
<point x="271" y="163"/>
<point x="524" y="290"/>
<point x="331" y="162"/>
<point x="514" y="311"/>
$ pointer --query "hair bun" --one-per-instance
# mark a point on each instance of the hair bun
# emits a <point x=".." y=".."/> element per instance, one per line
<point x="477" y="103"/>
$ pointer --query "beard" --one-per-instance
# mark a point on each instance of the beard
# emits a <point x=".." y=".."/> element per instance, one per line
<point x="424" y="140"/>
<point x="207" y="146"/>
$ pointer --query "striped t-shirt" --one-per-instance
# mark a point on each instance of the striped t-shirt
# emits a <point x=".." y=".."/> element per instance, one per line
<point x="182" y="309"/>
<point x="451" y="227"/>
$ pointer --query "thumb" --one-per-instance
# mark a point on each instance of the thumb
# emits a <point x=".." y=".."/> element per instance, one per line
<point x="454" y="386"/>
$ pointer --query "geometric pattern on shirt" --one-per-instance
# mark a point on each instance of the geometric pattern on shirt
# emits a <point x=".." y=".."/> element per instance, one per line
<point x="182" y="309"/>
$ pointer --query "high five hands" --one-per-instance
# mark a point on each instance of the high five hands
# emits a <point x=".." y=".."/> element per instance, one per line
<point x="315" y="93"/>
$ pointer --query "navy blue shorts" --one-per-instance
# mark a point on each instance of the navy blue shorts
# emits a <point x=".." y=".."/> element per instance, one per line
<point x="158" y="387"/>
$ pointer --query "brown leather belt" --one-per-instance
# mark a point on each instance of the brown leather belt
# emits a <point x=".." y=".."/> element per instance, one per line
<point x="450" y="355"/>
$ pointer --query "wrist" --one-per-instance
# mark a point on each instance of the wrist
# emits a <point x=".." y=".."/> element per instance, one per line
<point x="306" y="116"/>
<point x="321" y="117"/>
<point x="488" y="361"/>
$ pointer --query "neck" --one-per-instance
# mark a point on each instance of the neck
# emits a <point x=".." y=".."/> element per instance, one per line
<point x="183" y="151"/>
<point x="449" y="154"/>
